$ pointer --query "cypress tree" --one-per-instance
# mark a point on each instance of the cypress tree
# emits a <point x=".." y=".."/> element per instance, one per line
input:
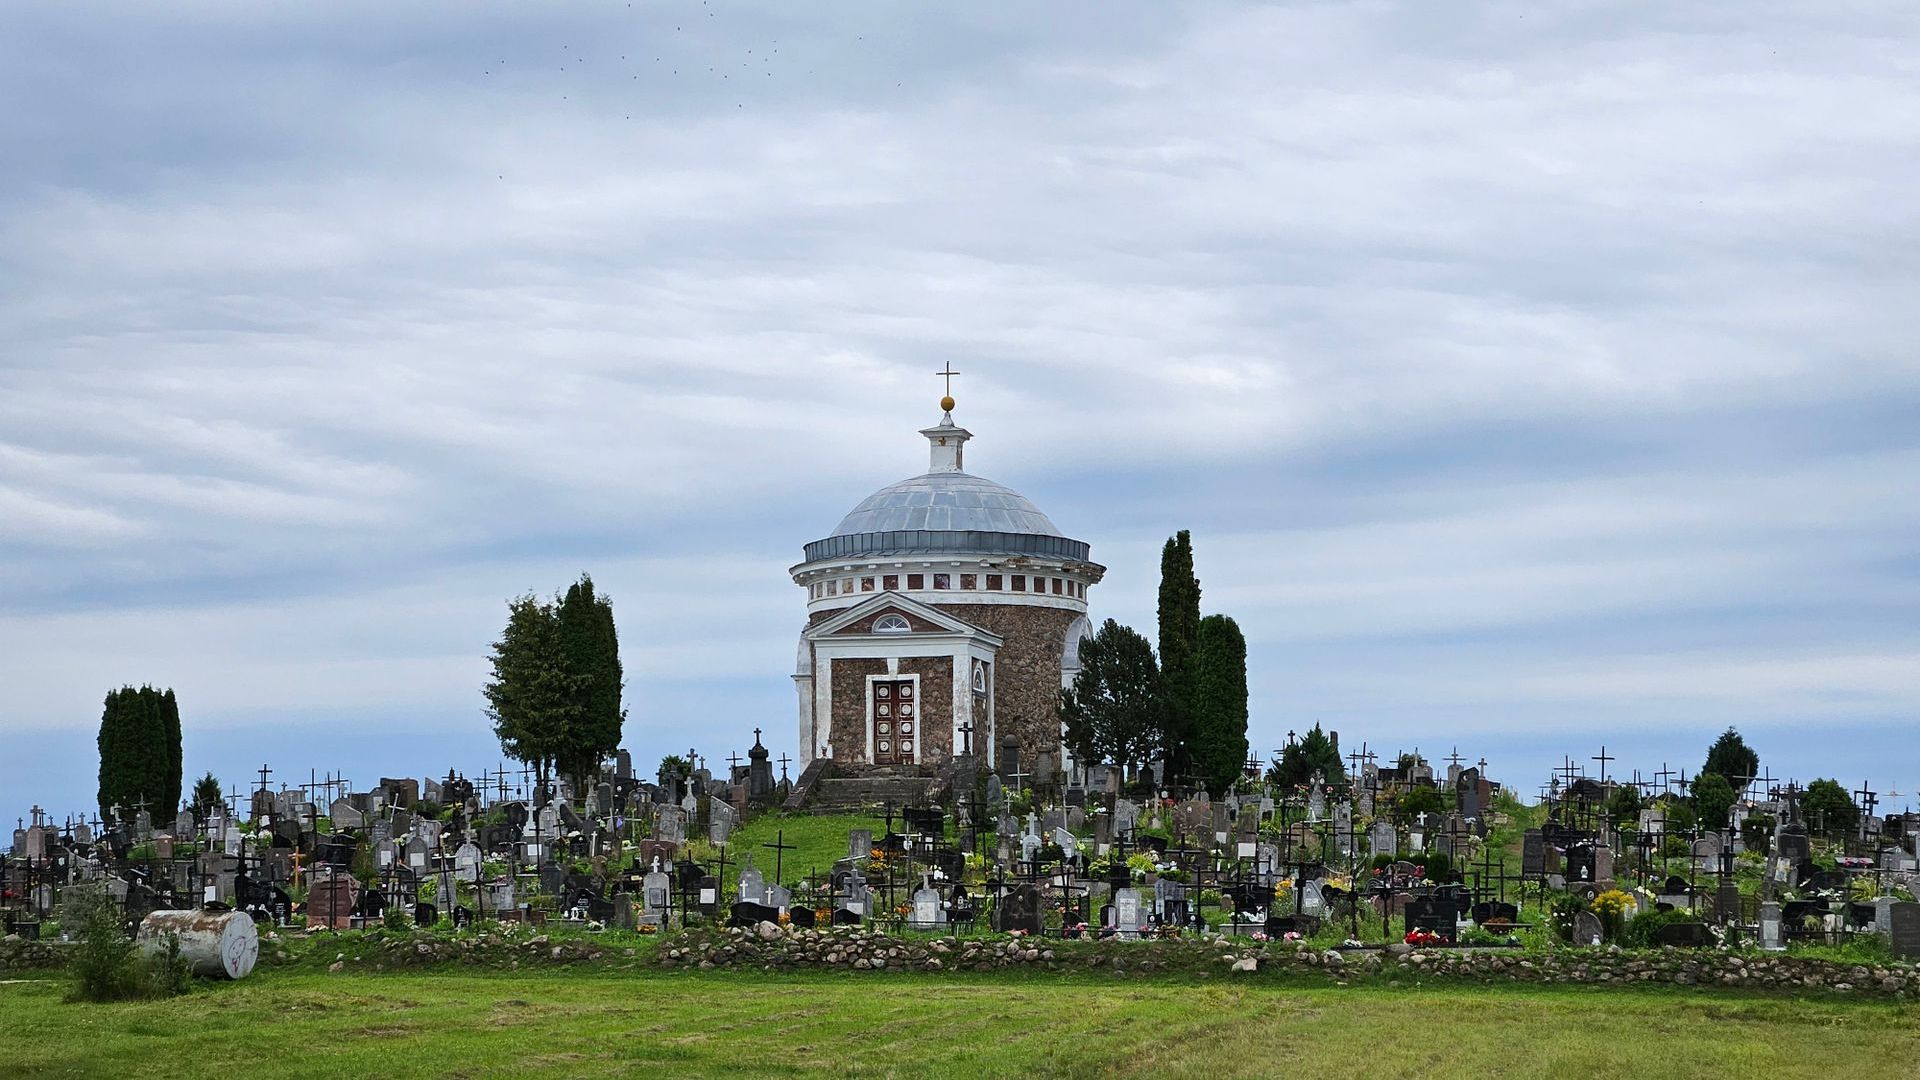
<point x="1219" y="742"/>
<point x="114" y="752"/>
<point x="139" y="744"/>
<point x="169" y="710"/>
<point x="591" y="650"/>
<point x="1179" y="648"/>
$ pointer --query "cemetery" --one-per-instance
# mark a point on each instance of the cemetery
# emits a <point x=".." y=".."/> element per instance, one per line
<point x="1381" y="870"/>
<point x="1031" y="877"/>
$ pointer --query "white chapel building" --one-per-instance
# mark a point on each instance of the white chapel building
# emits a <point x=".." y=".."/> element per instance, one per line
<point x="944" y="613"/>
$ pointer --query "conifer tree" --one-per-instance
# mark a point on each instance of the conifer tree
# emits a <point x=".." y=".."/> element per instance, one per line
<point x="590" y="646"/>
<point x="169" y="712"/>
<point x="1116" y="708"/>
<point x="1179" y="612"/>
<point x="555" y="693"/>
<point x="1301" y="758"/>
<point x="139" y="744"/>
<point x="1219" y="740"/>
<point x="532" y="699"/>
<point x="1732" y="758"/>
<point x="206" y="796"/>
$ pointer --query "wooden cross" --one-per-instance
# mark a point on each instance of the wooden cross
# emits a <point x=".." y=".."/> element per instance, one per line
<point x="1455" y="759"/>
<point x="733" y="759"/>
<point x="264" y="773"/>
<point x="784" y="762"/>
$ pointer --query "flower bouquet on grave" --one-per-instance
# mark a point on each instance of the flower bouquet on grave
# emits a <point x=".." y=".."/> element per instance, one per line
<point x="648" y="928"/>
<point x="1259" y="935"/>
<point x="1418" y="938"/>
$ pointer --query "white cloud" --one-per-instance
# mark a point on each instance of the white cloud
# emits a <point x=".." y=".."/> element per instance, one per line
<point x="402" y="329"/>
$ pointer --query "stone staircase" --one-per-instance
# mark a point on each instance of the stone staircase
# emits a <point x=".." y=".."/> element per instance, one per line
<point x="852" y="789"/>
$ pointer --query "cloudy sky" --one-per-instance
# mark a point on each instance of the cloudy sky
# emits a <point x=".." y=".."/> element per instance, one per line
<point x="1534" y="377"/>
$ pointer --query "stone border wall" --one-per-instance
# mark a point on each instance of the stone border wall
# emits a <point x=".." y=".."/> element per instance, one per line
<point x="771" y="947"/>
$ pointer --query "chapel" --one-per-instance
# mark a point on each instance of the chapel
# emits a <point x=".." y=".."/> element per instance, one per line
<point x="944" y="616"/>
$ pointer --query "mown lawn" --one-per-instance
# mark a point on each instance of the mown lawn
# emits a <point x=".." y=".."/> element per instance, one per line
<point x="730" y="1024"/>
<point x="816" y="842"/>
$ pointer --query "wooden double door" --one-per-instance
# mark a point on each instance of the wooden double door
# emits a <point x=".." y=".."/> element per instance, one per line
<point x="896" y="719"/>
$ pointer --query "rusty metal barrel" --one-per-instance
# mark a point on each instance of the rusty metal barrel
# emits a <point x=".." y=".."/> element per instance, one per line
<point x="214" y="943"/>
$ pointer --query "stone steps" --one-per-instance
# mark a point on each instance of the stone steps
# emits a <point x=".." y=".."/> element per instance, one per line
<point x="851" y="794"/>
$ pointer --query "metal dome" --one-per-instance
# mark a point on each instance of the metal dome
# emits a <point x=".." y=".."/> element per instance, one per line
<point x="946" y="502"/>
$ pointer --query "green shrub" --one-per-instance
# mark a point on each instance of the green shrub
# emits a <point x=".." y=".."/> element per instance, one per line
<point x="106" y="965"/>
<point x="1639" y="933"/>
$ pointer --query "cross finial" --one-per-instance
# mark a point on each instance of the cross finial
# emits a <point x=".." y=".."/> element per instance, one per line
<point x="947" y="373"/>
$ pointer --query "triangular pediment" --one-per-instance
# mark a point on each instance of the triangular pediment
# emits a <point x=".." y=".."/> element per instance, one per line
<point x="924" y="620"/>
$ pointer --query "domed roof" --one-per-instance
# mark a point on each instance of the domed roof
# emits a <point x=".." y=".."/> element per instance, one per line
<point x="946" y="511"/>
<point x="946" y="502"/>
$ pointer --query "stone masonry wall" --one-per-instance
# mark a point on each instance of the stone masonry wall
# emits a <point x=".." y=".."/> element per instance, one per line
<point x="1027" y="676"/>
<point x="849" y="721"/>
<point x="936" y="705"/>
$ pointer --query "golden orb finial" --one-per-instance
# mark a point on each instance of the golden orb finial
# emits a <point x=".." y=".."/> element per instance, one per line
<point x="946" y="403"/>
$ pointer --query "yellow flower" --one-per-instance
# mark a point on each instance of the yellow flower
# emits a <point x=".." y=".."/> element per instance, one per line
<point x="1613" y="902"/>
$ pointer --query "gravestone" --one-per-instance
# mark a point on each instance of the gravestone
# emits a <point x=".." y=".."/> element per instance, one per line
<point x="1707" y="849"/>
<point x="1313" y="900"/>
<point x="1684" y="935"/>
<point x="724" y="816"/>
<point x="1533" y="854"/>
<point x="656" y="896"/>
<point x="1170" y="901"/>
<point x="1125" y="816"/>
<point x="1343" y="828"/>
<point x="466" y="863"/>
<point x="1382" y="840"/>
<point x="927" y="914"/>
<point x="1586" y="929"/>
<point x="670" y="825"/>
<point x="1772" y="936"/>
<point x="418" y="854"/>
<point x="331" y="901"/>
<point x="1126" y="912"/>
<point x="753" y="885"/>
<point x="1018" y="909"/>
<point x="859" y="845"/>
<point x="856" y="899"/>
<point x="1903" y="929"/>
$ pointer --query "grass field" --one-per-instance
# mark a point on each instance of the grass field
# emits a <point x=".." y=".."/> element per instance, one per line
<point x="315" y="1025"/>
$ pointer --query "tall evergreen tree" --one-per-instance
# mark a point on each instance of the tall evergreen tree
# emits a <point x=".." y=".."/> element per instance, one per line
<point x="1732" y="758"/>
<point x="169" y="711"/>
<point x="1116" y="708"/>
<point x="1219" y="741"/>
<point x="532" y="699"/>
<point x="590" y="646"/>
<point x="1179" y="649"/>
<point x="139" y="745"/>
